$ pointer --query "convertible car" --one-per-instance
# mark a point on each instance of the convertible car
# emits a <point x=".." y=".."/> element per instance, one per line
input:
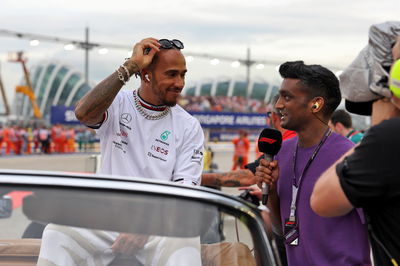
<point x="226" y="229"/>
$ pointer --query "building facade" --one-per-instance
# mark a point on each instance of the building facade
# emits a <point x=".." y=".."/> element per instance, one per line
<point x="53" y="84"/>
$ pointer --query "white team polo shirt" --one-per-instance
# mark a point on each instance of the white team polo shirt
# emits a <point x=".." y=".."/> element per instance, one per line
<point x="170" y="148"/>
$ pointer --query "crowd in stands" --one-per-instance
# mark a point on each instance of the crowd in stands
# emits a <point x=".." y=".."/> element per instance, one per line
<point x="23" y="140"/>
<point x="18" y="139"/>
<point x="222" y="104"/>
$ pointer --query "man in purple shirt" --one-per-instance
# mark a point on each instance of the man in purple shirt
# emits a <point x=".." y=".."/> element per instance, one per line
<point x="308" y="96"/>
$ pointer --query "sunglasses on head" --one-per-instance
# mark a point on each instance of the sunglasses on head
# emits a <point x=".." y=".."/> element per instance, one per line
<point x="169" y="44"/>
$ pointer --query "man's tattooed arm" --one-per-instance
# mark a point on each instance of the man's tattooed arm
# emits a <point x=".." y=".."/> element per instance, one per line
<point x="237" y="178"/>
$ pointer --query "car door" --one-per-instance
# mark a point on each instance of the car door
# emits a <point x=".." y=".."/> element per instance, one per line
<point x="56" y="219"/>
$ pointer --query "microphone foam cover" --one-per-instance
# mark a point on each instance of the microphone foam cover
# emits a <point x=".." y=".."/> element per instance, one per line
<point x="270" y="141"/>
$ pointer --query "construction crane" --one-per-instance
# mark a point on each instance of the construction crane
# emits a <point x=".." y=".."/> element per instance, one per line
<point x="27" y="89"/>
<point x="4" y="97"/>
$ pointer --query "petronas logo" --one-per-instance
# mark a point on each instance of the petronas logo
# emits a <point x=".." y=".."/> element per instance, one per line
<point x="164" y="135"/>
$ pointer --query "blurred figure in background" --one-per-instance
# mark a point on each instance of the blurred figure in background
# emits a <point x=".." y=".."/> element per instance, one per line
<point x="209" y="164"/>
<point x="7" y="140"/>
<point x="342" y="124"/>
<point x="241" y="150"/>
<point x="36" y="141"/>
<point x="1" y="138"/>
<point x="70" y="137"/>
<point x="44" y="138"/>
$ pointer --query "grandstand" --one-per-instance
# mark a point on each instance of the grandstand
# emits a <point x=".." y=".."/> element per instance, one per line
<point x="258" y="88"/>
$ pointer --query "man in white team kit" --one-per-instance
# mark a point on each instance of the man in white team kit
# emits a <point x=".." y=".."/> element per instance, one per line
<point x="142" y="133"/>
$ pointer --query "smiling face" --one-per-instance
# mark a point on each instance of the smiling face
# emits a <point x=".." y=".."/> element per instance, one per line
<point x="294" y="105"/>
<point x="167" y="78"/>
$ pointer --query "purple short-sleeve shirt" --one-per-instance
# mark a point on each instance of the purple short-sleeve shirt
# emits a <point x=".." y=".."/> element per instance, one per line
<point x="322" y="241"/>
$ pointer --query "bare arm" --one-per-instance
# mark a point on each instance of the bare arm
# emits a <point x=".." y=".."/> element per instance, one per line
<point x="236" y="178"/>
<point x="90" y="109"/>
<point x="328" y="198"/>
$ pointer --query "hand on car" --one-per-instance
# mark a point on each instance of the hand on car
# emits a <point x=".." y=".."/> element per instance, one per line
<point x="128" y="244"/>
<point x="253" y="191"/>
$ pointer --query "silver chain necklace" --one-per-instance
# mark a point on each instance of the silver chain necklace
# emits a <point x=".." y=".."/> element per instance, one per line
<point x="143" y="111"/>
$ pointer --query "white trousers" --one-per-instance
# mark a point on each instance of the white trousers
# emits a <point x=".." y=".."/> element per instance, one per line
<point x="70" y="246"/>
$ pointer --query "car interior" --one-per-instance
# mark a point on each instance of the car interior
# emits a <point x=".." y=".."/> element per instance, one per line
<point x="226" y="236"/>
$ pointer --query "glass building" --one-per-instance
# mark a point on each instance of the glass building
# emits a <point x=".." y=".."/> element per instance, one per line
<point x="53" y="84"/>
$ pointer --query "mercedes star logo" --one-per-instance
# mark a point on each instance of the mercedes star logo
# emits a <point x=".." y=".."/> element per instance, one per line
<point x="126" y="118"/>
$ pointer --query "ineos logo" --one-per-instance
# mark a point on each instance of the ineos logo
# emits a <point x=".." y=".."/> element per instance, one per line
<point x="126" y="118"/>
<point x="159" y="149"/>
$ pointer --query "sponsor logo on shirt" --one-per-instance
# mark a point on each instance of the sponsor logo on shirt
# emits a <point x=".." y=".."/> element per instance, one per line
<point x="155" y="157"/>
<point x="119" y="146"/>
<point x="162" y="142"/>
<point x="159" y="149"/>
<point x="122" y="134"/>
<point x="197" y="156"/>
<point x="122" y="124"/>
<point x="126" y="118"/>
<point x="164" y="135"/>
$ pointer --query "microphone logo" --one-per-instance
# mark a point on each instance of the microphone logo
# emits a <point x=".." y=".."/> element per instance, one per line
<point x="267" y="140"/>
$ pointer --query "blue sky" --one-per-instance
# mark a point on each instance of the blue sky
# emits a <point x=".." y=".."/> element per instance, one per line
<point x="325" y="32"/>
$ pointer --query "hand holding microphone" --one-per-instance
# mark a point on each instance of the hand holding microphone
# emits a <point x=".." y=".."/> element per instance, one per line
<point x="269" y="143"/>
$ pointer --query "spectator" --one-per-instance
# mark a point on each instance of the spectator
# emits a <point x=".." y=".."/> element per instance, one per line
<point x="241" y="150"/>
<point x="44" y="138"/>
<point x="341" y="123"/>
<point x="222" y="104"/>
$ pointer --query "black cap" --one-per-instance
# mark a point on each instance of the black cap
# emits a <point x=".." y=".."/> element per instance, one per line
<point x="359" y="108"/>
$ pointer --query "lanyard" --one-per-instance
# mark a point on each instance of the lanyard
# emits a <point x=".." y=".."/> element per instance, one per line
<point x="296" y="184"/>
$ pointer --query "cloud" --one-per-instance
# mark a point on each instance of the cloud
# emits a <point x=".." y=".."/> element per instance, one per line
<point x="327" y="32"/>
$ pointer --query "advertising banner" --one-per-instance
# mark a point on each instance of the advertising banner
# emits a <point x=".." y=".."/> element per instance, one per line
<point x="63" y="115"/>
<point x="230" y="120"/>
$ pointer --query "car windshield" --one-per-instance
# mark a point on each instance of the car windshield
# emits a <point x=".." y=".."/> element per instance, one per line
<point x="82" y="226"/>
